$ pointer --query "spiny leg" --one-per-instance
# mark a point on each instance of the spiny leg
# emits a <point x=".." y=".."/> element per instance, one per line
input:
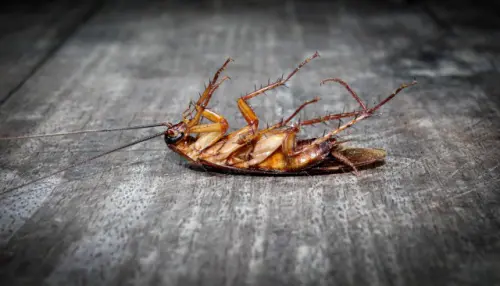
<point x="286" y="121"/>
<point x="307" y="154"/>
<point x="205" y="98"/>
<point x="349" y="89"/>
<point x="207" y="94"/>
<point x="330" y="117"/>
<point x="280" y="81"/>
<point x="199" y="108"/>
<point x="245" y="109"/>
<point x="365" y="114"/>
<point x="338" y="115"/>
<point x="323" y="118"/>
<point x="327" y="117"/>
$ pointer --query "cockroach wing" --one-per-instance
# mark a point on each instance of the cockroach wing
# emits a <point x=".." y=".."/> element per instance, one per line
<point x="360" y="157"/>
<point x="363" y="156"/>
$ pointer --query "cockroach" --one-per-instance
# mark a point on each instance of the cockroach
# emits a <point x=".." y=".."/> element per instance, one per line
<point x="273" y="150"/>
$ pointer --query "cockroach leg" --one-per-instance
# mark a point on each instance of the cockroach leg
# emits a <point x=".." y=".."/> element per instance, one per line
<point x="188" y="112"/>
<point x="199" y="108"/>
<point x="360" y="116"/>
<point x="307" y="155"/>
<point x="248" y="113"/>
<point x="281" y="81"/>
<point x="345" y="160"/>
<point x="338" y="115"/>
<point x="286" y="121"/>
<point x="220" y="124"/>
<point x="210" y="133"/>
<point x="349" y="89"/>
<point x="205" y="98"/>
<point x="330" y="117"/>
<point x="217" y="84"/>
<point x="357" y="98"/>
<point x="222" y="68"/>
<point x="398" y="90"/>
<point x="207" y="94"/>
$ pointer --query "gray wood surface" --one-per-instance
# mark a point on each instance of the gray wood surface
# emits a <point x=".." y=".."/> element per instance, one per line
<point x="30" y="33"/>
<point x="429" y="216"/>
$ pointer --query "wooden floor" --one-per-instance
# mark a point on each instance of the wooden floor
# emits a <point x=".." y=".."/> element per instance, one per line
<point x="429" y="216"/>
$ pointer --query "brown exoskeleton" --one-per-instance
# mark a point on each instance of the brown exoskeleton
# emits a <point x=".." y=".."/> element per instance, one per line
<point x="273" y="150"/>
<point x="250" y="150"/>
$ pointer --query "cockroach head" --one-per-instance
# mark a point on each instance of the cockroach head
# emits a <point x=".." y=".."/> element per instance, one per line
<point x="175" y="133"/>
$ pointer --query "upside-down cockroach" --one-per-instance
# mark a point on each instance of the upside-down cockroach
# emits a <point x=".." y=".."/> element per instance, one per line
<point x="249" y="150"/>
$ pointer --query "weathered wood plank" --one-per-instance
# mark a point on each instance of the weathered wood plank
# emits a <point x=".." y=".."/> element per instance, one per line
<point x="31" y="32"/>
<point x="428" y="217"/>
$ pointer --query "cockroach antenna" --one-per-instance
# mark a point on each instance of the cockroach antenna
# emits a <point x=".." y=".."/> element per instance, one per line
<point x="84" y="131"/>
<point x="162" y="124"/>
<point x="86" y="161"/>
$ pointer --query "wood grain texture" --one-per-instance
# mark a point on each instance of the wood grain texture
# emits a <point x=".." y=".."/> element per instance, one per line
<point x="30" y="33"/>
<point x="429" y="216"/>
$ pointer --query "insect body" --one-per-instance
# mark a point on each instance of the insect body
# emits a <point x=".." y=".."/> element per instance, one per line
<point x="250" y="149"/>
<point x="273" y="150"/>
